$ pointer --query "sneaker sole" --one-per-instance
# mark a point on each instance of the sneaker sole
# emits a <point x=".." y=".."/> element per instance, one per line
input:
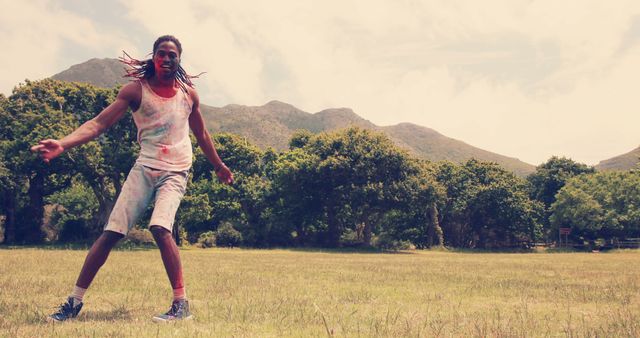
<point x="53" y="320"/>
<point x="162" y="320"/>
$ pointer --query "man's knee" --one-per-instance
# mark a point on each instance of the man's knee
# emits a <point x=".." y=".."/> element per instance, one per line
<point x="106" y="241"/>
<point x="111" y="237"/>
<point x="159" y="232"/>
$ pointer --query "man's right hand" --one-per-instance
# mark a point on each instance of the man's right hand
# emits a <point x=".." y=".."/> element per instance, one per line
<point x="225" y="175"/>
<point x="48" y="149"/>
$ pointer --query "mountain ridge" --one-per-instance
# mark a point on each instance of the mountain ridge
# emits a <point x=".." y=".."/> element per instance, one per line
<point x="98" y="72"/>
<point x="278" y="120"/>
<point x="625" y="161"/>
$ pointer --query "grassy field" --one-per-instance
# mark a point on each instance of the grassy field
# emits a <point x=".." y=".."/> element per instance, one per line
<point x="264" y="293"/>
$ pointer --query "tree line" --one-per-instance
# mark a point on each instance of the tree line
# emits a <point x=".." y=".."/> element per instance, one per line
<point x="351" y="187"/>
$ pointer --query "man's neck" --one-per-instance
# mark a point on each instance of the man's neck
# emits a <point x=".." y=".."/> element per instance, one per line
<point x="165" y="88"/>
<point x="158" y="81"/>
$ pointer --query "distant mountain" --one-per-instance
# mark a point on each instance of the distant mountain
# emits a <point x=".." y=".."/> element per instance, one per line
<point x="622" y="162"/>
<point x="98" y="72"/>
<point x="272" y="124"/>
<point x="430" y="144"/>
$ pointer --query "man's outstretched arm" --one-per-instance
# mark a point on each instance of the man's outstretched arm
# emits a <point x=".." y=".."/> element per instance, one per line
<point x="50" y="148"/>
<point x="206" y="144"/>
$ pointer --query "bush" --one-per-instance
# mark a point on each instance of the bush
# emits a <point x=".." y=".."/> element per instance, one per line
<point x="140" y="237"/>
<point x="207" y="239"/>
<point x="349" y="238"/>
<point x="73" y="230"/>
<point x="69" y="210"/>
<point x="386" y="241"/>
<point x="227" y="236"/>
<point x="184" y="237"/>
<point x="2" y="220"/>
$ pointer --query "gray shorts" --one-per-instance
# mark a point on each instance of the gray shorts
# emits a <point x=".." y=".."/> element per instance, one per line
<point x="141" y="186"/>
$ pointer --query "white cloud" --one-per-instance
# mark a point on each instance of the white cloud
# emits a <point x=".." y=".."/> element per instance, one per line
<point x="233" y="68"/>
<point x="35" y="32"/>
<point x="528" y="79"/>
<point x="596" y="119"/>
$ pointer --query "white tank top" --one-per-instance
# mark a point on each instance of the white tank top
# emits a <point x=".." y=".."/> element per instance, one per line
<point x="163" y="130"/>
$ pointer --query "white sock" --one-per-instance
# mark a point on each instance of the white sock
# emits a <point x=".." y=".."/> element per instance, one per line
<point x="78" y="294"/>
<point x="179" y="294"/>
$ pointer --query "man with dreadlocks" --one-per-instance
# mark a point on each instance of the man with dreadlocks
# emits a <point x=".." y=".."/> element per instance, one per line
<point x="165" y="105"/>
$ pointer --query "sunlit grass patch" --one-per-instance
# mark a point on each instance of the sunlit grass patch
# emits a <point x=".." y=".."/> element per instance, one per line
<point x="261" y="293"/>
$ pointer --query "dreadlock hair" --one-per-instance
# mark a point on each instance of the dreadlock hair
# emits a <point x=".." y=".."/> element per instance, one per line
<point x="137" y="69"/>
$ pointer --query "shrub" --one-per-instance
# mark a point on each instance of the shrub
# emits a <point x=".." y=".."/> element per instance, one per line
<point x="140" y="237"/>
<point x="69" y="210"/>
<point x="207" y="239"/>
<point x="227" y="236"/>
<point x="184" y="237"/>
<point x="2" y="220"/>
<point x="73" y="230"/>
<point x="386" y="241"/>
<point x="349" y="238"/>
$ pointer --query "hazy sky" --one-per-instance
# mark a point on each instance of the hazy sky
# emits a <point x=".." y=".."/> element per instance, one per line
<point x="527" y="79"/>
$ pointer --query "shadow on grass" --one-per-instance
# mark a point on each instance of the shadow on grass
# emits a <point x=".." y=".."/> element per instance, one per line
<point x="492" y="251"/>
<point x="119" y="313"/>
<point x="81" y="246"/>
<point x="129" y="246"/>
<point x="374" y="250"/>
<point x="548" y="250"/>
<point x="347" y="250"/>
<point x="340" y="250"/>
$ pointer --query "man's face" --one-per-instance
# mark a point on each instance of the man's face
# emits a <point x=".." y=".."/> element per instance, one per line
<point x="166" y="59"/>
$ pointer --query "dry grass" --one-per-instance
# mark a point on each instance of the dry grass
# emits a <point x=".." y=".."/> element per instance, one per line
<point x="261" y="293"/>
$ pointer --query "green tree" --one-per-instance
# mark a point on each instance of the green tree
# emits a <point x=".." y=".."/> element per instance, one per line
<point x="350" y="175"/>
<point x="601" y="205"/>
<point x="193" y="215"/>
<point x="576" y="209"/>
<point x="348" y="178"/>
<point x="415" y="215"/>
<point x="51" y="109"/>
<point x="104" y="163"/>
<point x="222" y="204"/>
<point x="486" y="206"/>
<point x="8" y="187"/>
<point x="549" y="178"/>
<point x="295" y="197"/>
<point x="73" y="205"/>
<point x="241" y="203"/>
<point x="33" y="112"/>
<point x="300" y="138"/>
<point x="234" y="150"/>
<point x="253" y="193"/>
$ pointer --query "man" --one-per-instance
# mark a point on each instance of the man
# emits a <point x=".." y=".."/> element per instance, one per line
<point x="164" y="106"/>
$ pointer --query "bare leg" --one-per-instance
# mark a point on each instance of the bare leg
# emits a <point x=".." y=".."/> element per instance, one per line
<point x="96" y="257"/>
<point x="170" y="255"/>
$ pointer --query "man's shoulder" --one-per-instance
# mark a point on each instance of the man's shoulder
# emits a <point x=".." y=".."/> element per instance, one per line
<point x="132" y="85"/>
<point x="131" y="91"/>
<point x="193" y="94"/>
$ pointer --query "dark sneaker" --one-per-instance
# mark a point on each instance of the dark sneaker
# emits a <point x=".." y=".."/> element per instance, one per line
<point x="179" y="311"/>
<point x="66" y="311"/>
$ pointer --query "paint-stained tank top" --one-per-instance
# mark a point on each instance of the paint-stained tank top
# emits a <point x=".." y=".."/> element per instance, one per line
<point x="163" y="130"/>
